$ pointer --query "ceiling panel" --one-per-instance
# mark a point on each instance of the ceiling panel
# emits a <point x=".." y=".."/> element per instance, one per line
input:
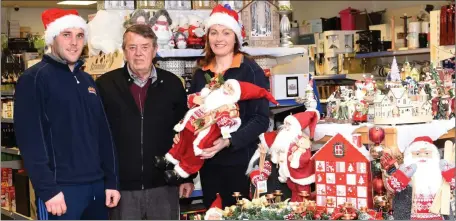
<point x="43" y="4"/>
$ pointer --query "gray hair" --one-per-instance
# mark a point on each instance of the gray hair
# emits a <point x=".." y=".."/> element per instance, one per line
<point x="143" y="30"/>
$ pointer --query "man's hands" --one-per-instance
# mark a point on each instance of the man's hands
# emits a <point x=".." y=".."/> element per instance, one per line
<point x="185" y="190"/>
<point x="219" y="144"/>
<point x="112" y="198"/>
<point x="56" y="205"/>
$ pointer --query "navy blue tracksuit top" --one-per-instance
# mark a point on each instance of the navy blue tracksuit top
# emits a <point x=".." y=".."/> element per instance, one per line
<point x="61" y="129"/>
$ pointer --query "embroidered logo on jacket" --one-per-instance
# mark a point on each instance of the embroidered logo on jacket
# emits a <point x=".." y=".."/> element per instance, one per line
<point x="92" y="90"/>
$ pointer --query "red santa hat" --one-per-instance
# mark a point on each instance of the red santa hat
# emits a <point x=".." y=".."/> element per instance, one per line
<point x="215" y="209"/>
<point x="224" y="15"/>
<point x="56" y="20"/>
<point x="421" y="142"/>
<point x="305" y="120"/>
<point x="248" y="91"/>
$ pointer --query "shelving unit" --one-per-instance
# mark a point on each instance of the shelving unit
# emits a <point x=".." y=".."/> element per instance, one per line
<point x="14" y="151"/>
<point x="7" y="120"/>
<point x="193" y="53"/>
<point x="14" y="215"/>
<point x="394" y="53"/>
<point x="7" y="93"/>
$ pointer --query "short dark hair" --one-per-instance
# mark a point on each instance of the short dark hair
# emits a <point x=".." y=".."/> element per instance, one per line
<point x="143" y="30"/>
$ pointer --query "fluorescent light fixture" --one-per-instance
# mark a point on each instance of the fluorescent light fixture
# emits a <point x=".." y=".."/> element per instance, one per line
<point x="77" y="2"/>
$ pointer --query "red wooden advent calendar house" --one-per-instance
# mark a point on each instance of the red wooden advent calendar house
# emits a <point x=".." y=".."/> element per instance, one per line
<point x="343" y="174"/>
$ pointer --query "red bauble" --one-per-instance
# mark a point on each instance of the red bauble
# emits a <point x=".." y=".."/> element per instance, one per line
<point x="378" y="186"/>
<point x="376" y="135"/>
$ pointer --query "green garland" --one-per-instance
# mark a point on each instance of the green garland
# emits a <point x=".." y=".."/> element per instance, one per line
<point x="284" y="211"/>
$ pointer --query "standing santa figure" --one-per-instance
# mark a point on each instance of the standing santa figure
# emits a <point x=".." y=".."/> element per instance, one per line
<point x="418" y="180"/>
<point x="300" y="168"/>
<point x="161" y="23"/>
<point x="213" y="113"/>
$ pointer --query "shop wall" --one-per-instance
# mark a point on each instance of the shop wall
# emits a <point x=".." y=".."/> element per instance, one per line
<point x="31" y="17"/>
<point x="307" y="10"/>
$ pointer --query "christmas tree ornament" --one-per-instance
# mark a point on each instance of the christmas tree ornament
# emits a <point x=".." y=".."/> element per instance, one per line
<point x="376" y="151"/>
<point x="376" y="135"/>
<point x="378" y="186"/>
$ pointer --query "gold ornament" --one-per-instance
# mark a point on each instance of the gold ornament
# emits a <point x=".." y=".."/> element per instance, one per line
<point x="376" y="151"/>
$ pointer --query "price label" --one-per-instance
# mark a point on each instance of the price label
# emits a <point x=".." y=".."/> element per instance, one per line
<point x="262" y="187"/>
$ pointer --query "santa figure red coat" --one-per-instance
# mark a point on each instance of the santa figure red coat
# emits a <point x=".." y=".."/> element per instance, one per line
<point x="193" y="39"/>
<point x="208" y="120"/>
<point x="300" y="168"/>
<point x="423" y="172"/>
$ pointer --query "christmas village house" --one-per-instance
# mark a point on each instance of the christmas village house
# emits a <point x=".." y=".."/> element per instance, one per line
<point x="342" y="174"/>
<point x="261" y="23"/>
<point x="399" y="107"/>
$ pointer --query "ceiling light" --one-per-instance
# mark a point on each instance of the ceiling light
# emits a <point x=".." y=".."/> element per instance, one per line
<point x="77" y="2"/>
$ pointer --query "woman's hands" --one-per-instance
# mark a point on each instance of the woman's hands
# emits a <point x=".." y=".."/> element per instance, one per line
<point x="219" y="144"/>
<point x="208" y="153"/>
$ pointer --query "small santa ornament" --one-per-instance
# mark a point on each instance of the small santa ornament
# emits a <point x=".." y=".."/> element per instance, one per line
<point x="418" y="180"/>
<point x="183" y="25"/>
<point x="195" y="32"/>
<point x="160" y="25"/>
<point x="213" y="113"/>
<point x="360" y="114"/>
<point x="56" y="20"/>
<point x="215" y="212"/>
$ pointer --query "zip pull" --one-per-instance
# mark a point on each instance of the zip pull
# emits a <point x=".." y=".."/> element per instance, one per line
<point x="76" y="79"/>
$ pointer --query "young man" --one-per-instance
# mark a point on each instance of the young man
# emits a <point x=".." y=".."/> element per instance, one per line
<point x="143" y="103"/>
<point x="62" y="130"/>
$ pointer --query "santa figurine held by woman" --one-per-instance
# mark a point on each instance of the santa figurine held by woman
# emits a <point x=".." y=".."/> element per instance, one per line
<point x="213" y="113"/>
<point x="418" y="180"/>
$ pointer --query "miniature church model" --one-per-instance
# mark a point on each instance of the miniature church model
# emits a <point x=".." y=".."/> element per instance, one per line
<point x="342" y="174"/>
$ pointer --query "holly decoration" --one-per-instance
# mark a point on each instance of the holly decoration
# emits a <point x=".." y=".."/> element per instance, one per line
<point x="214" y="82"/>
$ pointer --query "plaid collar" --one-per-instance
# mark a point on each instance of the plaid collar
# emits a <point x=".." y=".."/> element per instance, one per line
<point x="138" y="81"/>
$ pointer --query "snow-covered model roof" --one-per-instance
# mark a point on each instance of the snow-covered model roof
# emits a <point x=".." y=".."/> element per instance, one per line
<point x="340" y="138"/>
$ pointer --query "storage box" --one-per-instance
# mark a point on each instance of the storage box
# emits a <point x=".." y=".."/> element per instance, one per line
<point x="311" y="26"/>
<point x="288" y="86"/>
<point x="385" y="31"/>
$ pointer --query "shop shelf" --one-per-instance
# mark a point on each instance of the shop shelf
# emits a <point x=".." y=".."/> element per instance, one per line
<point x="13" y="150"/>
<point x="14" y="215"/>
<point x="393" y="53"/>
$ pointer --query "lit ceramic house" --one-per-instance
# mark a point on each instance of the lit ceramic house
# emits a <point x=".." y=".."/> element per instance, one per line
<point x="399" y="107"/>
<point x="342" y="174"/>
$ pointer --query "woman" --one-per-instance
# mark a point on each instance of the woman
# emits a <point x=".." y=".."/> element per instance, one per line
<point x="224" y="169"/>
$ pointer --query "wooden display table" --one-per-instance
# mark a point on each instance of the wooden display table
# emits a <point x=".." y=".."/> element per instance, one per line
<point x="390" y="140"/>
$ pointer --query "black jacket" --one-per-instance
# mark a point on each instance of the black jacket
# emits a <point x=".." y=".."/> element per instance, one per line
<point x="254" y="114"/>
<point x="138" y="139"/>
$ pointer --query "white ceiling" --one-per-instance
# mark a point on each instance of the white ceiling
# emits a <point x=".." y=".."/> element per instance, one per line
<point x="43" y="4"/>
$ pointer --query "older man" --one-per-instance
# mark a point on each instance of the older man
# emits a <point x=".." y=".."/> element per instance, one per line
<point x="62" y="130"/>
<point x="143" y="103"/>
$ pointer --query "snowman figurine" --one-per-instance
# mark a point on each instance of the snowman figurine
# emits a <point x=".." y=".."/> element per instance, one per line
<point x="161" y="26"/>
<point x="183" y="26"/>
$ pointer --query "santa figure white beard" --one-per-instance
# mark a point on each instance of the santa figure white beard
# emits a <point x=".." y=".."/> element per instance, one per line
<point x="427" y="178"/>
<point x="218" y="98"/>
<point x="279" y="149"/>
